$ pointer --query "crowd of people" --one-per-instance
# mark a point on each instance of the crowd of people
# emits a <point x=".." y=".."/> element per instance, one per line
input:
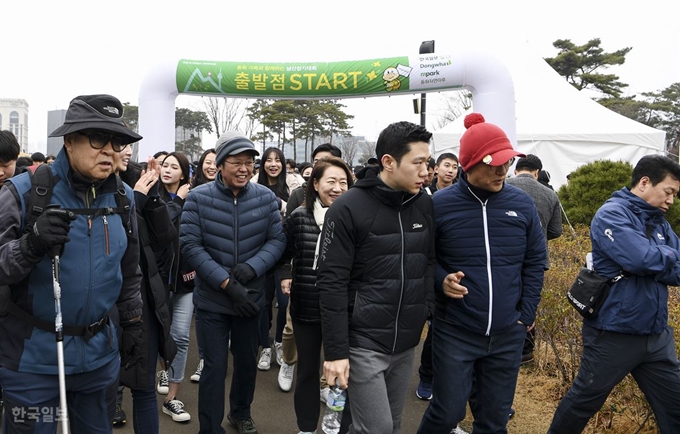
<point x="346" y="265"/>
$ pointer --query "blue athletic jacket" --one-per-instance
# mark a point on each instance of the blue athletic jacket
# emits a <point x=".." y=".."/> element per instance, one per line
<point x="99" y="271"/>
<point x="629" y="234"/>
<point x="499" y="245"/>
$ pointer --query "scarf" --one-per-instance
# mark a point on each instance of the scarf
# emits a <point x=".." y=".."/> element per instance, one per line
<point x="319" y="214"/>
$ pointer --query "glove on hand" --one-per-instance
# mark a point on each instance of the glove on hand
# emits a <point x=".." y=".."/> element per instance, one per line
<point x="132" y="344"/>
<point x="244" y="273"/>
<point x="238" y="295"/>
<point x="50" y="229"/>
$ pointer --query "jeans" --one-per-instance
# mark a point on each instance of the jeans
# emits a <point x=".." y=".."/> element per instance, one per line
<point x="32" y="400"/>
<point x="214" y="330"/>
<point x="182" y="309"/>
<point x="425" y="368"/>
<point x="495" y="360"/>
<point x="606" y="359"/>
<point x="272" y="289"/>
<point x="144" y="402"/>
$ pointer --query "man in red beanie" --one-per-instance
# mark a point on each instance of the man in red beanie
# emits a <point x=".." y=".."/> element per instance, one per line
<point x="490" y="258"/>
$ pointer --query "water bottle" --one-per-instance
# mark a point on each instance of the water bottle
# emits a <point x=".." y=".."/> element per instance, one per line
<point x="334" y="408"/>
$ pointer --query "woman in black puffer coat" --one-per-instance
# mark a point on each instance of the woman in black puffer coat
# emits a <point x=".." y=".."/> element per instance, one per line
<point x="330" y="178"/>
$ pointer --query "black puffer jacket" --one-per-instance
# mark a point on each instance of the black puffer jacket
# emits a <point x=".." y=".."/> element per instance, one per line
<point x="302" y="233"/>
<point x="376" y="269"/>
<point x="155" y="232"/>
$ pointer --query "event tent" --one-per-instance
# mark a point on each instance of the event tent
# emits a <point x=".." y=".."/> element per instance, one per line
<point x="559" y="124"/>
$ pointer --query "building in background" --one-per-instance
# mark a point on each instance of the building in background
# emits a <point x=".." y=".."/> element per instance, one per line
<point x="55" y="119"/>
<point x="14" y="117"/>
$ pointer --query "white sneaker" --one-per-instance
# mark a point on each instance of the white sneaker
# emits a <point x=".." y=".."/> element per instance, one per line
<point x="324" y="394"/>
<point x="196" y="376"/>
<point x="162" y="386"/>
<point x="307" y="432"/>
<point x="278" y="347"/>
<point x="458" y="430"/>
<point x="265" y="362"/>
<point x="286" y="377"/>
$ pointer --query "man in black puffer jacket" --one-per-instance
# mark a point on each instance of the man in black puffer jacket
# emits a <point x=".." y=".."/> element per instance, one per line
<point x="376" y="277"/>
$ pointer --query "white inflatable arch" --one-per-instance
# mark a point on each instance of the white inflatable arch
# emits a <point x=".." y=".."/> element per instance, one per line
<point x="481" y="73"/>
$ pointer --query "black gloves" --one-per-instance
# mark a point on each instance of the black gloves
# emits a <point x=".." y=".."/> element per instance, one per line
<point x="50" y="229"/>
<point x="131" y="347"/>
<point x="238" y="295"/>
<point x="244" y="273"/>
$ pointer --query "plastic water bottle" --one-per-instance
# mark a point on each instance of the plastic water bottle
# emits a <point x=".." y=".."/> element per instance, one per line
<point x="334" y="408"/>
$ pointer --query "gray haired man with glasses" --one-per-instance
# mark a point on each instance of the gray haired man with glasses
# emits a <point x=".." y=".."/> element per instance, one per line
<point x="96" y="240"/>
<point x="231" y="234"/>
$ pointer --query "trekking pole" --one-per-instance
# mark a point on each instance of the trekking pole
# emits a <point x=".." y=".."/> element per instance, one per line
<point x="59" y="331"/>
<point x="573" y="232"/>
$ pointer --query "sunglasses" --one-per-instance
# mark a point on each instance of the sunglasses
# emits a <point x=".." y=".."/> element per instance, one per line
<point x="98" y="140"/>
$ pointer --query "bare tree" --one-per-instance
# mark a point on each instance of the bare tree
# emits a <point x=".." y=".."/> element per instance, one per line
<point x="226" y="114"/>
<point x="367" y="150"/>
<point x="454" y="103"/>
<point x="349" y="147"/>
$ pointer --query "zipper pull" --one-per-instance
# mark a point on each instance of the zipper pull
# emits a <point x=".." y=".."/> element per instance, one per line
<point x="89" y="225"/>
<point x="106" y="233"/>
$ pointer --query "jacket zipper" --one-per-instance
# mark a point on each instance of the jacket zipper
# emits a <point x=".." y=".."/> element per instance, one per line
<point x="487" y="247"/>
<point x="235" y="231"/>
<point x="106" y="235"/>
<point x="401" y="294"/>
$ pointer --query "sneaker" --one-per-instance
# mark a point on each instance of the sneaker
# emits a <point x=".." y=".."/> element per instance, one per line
<point x="119" y="417"/>
<point x="175" y="409"/>
<point x="528" y="357"/>
<point x="307" y="432"/>
<point x="424" y="391"/>
<point x="196" y="376"/>
<point x="458" y="430"/>
<point x="265" y="362"/>
<point x="162" y="386"/>
<point x="246" y="426"/>
<point x="278" y="347"/>
<point x="324" y="394"/>
<point x="512" y="413"/>
<point x="286" y="377"/>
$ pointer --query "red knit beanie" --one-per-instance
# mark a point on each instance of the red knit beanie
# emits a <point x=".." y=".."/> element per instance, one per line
<point x="484" y="143"/>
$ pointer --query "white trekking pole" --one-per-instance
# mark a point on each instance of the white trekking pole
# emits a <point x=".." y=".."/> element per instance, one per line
<point x="62" y="412"/>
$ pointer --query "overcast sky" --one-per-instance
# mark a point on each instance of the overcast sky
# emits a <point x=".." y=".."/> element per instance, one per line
<point x="53" y="51"/>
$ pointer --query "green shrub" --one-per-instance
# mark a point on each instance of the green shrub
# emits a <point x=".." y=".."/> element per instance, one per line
<point x="590" y="186"/>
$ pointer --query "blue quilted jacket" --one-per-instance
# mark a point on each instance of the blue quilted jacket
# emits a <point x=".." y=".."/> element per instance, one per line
<point x="499" y="245"/>
<point x="219" y="230"/>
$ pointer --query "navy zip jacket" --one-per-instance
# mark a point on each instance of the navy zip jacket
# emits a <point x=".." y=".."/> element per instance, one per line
<point x="499" y="245"/>
<point x="220" y="230"/>
<point x="629" y="234"/>
<point x="376" y="269"/>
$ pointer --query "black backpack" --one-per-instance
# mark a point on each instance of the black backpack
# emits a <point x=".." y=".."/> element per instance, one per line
<point x="42" y="183"/>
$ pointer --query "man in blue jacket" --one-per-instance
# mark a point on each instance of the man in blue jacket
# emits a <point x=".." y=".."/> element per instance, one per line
<point x="231" y="234"/>
<point x="490" y="262"/>
<point x="631" y="237"/>
<point x="100" y="278"/>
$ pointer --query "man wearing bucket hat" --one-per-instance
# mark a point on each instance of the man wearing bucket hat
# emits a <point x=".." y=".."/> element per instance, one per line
<point x="231" y="234"/>
<point x="490" y="258"/>
<point x="92" y="224"/>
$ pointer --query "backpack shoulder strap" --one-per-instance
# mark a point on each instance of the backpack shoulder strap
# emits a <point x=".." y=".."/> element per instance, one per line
<point x="42" y="183"/>
<point x="124" y="202"/>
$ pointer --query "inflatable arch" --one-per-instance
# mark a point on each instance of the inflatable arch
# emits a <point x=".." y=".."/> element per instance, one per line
<point x="483" y="74"/>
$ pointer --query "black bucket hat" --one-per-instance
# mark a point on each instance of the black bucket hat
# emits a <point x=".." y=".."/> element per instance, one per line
<point x="96" y="112"/>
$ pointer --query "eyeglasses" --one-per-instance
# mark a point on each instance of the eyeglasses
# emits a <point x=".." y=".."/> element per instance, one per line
<point x="98" y="140"/>
<point x="237" y="164"/>
<point x="505" y="166"/>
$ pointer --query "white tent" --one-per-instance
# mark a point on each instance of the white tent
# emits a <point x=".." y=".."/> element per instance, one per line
<point x="559" y="124"/>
